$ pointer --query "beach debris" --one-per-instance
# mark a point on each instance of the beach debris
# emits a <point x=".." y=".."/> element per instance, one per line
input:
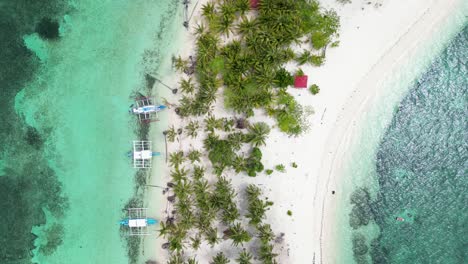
<point x="171" y="198"/>
<point x="137" y="221"/>
<point x="189" y="70"/>
<point x="280" y="238"/>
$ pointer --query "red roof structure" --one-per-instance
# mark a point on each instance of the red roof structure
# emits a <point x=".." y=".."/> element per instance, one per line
<point x="254" y="3"/>
<point x="300" y="81"/>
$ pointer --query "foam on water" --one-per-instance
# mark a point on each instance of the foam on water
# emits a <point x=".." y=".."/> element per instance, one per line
<point x="408" y="161"/>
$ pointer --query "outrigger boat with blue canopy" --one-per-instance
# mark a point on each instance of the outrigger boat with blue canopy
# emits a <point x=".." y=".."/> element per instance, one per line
<point x="137" y="222"/>
<point x="146" y="109"/>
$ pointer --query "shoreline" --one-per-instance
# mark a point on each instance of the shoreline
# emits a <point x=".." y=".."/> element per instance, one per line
<point x="337" y="107"/>
<point x="403" y="54"/>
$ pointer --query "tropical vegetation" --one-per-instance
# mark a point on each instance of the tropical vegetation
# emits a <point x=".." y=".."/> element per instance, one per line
<point x="243" y="55"/>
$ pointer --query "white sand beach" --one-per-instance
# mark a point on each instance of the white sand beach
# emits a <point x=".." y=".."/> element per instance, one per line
<point x="375" y="40"/>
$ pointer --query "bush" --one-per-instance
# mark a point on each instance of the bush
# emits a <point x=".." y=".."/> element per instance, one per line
<point x="294" y="165"/>
<point x="269" y="172"/>
<point x="254" y="163"/>
<point x="283" y="78"/>
<point x="314" y="89"/>
<point x="289" y="213"/>
<point x="280" y="168"/>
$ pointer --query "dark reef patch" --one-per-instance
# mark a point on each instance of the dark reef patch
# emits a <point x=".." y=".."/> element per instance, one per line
<point x="361" y="213"/>
<point x="33" y="138"/>
<point x="48" y="28"/>
<point x="27" y="184"/>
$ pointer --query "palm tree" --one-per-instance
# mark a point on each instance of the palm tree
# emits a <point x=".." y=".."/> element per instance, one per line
<point x="171" y="134"/>
<point x="192" y="129"/>
<point x="211" y="123"/>
<point x="230" y="214"/>
<point x="187" y="86"/>
<point x="266" y="254"/>
<point x="176" y="259"/>
<point x="238" y="234"/>
<point x="220" y="258"/>
<point x="211" y="235"/>
<point x="178" y="174"/>
<point x="242" y="6"/>
<point x="194" y="155"/>
<point x="208" y="11"/>
<point x="165" y="229"/>
<point x="258" y="133"/>
<point x="239" y="163"/>
<point x="196" y="242"/>
<point x="180" y="64"/>
<point x="176" y="159"/>
<point x="265" y="233"/>
<point x="304" y="57"/>
<point x="246" y="26"/>
<point x="192" y="261"/>
<point x="244" y="257"/>
<point x="198" y="172"/>
<point x="200" y="30"/>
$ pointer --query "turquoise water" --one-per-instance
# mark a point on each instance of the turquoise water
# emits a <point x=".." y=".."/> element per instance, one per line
<point x="65" y="129"/>
<point x="419" y="172"/>
<point x="422" y="167"/>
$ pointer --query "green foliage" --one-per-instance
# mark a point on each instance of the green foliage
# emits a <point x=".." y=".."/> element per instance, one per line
<point x="253" y="163"/>
<point x="236" y="140"/>
<point x="266" y="254"/>
<point x="220" y="151"/>
<point x="179" y="64"/>
<point x="194" y="155"/>
<point x="211" y="124"/>
<point x="187" y="86"/>
<point x="269" y="172"/>
<point x="238" y="234"/>
<point x="222" y="199"/>
<point x="256" y="206"/>
<point x="314" y="89"/>
<point x="290" y="115"/>
<point x="294" y="165"/>
<point x="244" y="257"/>
<point x="211" y="235"/>
<point x="220" y="258"/>
<point x="171" y="134"/>
<point x="283" y="78"/>
<point x="316" y="60"/>
<point x="280" y="168"/>
<point x="265" y="233"/>
<point x="289" y="213"/>
<point x="176" y="159"/>
<point x="304" y="57"/>
<point x="258" y="133"/>
<point x="196" y="242"/>
<point x="191" y="129"/>
<point x="299" y="72"/>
